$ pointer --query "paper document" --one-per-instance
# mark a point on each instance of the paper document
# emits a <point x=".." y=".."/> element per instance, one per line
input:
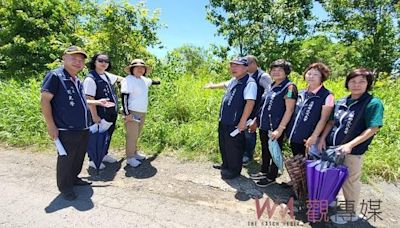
<point x="236" y="131"/>
<point x="94" y="128"/>
<point x="104" y="125"/>
<point x="60" y="147"/>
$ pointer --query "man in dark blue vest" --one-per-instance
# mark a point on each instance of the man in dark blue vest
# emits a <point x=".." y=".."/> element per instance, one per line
<point x="263" y="81"/>
<point x="237" y="105"/>
<point x="67" y="118"/>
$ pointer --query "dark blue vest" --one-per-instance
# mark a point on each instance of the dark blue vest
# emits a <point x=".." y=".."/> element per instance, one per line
<point x="306" y="115"/>
<point x="345" y="115"/>
<point x="260" y="90"/>
<point x="233" y="102"/>
<point x="70" y="111"/>
<point x="105" y="90"/>
<point x="274" y="107"/>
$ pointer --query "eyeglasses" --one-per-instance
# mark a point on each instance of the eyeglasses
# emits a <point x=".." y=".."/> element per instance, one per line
<point x="103" y="60"/>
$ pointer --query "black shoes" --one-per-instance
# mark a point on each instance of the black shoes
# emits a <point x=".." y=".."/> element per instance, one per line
<point x="258" y="176"/>
<point x="217" y="166"/>
<point x="264" y="182"/>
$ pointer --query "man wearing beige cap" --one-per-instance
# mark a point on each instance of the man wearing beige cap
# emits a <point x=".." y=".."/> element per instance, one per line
<point x="67" y="118"/>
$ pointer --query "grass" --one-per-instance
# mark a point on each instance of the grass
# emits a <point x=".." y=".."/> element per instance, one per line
<point x="183" y="117"/>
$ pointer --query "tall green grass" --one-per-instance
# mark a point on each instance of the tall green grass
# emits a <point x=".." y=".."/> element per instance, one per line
<point x="183" y="118"/>
<point x="21" y="121"/>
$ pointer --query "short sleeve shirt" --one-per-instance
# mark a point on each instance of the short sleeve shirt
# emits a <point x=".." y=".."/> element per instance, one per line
<point x="89" y="85"/>
<point x="373" y="114"/>
<point x="137" y="89"/>
<point x="250" y="91"/>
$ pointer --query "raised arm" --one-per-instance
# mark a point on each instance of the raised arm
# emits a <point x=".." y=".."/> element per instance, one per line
<point x="211" y="85"/>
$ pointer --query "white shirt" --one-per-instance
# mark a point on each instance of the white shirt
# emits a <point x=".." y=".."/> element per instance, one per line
<point x="138" y="90"/>
<point x="89" y="85"/>
<point x="250" y="91"/>
<point x="265" y="80"/>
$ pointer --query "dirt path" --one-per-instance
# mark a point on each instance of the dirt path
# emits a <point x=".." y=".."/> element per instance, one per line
<point x="163" y="192"/>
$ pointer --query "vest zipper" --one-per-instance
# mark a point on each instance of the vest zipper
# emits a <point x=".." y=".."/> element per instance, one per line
<point x="341" y="124"/>
<point x="297" y="117"/>
<point x="82" y="100"/>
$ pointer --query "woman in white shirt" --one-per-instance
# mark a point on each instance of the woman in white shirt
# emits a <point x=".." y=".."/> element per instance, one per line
<point x="134" y="90"/>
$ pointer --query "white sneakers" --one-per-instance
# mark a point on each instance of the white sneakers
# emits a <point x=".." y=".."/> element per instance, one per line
<point x="140" y="157"/>
<point x="136" y="160"/>
<point x="133" y="162"/>
<point x="91" y="164"/>
<point x="109" y="159"/>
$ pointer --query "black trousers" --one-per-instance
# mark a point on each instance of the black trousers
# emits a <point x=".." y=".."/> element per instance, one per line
<point x="231" y="149"/>
<point x="268" y="166"/>
<point x="69" y="166"/>
<point x="297" y="148"/>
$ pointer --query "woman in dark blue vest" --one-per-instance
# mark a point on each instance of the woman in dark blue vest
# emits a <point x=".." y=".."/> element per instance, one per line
<point x="313" y="108"/>
<point x="274" y="114"/>
<point x="357" y="118"/>
<point x="97" y="85"/>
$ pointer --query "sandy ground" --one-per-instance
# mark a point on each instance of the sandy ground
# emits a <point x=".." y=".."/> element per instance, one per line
<point x="162" y="192"/>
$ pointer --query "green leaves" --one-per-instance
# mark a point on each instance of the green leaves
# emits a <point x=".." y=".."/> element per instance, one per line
<point x="34" y="33"/>
<point x="369" y="27"/>
<point x="262" y="28"/>
<point x="29" y="29"/>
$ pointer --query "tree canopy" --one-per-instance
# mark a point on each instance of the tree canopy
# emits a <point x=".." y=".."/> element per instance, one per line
<point x="34" y="33"/>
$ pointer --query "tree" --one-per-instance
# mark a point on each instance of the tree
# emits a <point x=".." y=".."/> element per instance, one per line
<point x="122" y="30"/>
<point x="33" y="33"/>
<point x="267" y="29"/>
<point x="369" y="26"/>
<point x="321" y="48"/>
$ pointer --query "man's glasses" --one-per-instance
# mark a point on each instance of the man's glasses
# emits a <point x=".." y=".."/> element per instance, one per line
<point x="103" y="60"/>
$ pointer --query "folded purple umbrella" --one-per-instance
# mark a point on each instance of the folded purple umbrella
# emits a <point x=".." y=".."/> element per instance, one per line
<point x="342" y="173"/>
<point x="310" y="173"/>
<point x="319" y="175"/>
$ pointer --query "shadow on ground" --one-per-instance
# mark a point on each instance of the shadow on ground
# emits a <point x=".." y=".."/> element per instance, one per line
<point x="145" y="170"/>
<point x="82" y="203"/>
<point x="107" y="174"/>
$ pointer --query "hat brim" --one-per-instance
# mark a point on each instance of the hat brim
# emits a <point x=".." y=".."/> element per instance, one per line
<point x="238" y="62"/>
<point x="76" y="52"/>
<point x="127" y="69"/>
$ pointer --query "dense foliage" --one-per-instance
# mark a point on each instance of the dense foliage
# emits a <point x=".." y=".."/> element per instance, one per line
<point x="183" y="116"/>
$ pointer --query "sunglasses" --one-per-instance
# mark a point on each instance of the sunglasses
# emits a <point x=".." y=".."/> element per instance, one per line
<point x="103" y="60"/>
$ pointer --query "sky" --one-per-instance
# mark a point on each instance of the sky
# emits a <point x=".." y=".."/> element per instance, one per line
<point x="187" y="24"/>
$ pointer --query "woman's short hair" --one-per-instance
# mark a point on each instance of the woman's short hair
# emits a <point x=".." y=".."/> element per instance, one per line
<point x="365" y="73"/>
<point x="285" y="65"/>
<point x="322" y="68"/>
<point x="92" y="62"/>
